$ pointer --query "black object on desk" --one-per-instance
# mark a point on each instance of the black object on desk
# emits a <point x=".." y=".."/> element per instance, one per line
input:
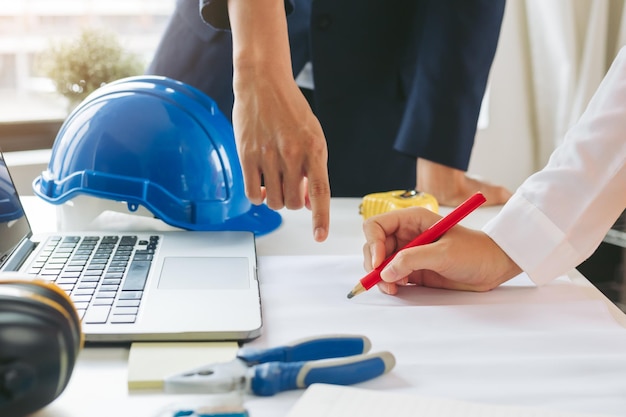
<point x="606" y="267"/>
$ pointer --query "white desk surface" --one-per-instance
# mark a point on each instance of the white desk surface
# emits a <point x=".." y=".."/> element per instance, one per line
<point x="561" y="346"/>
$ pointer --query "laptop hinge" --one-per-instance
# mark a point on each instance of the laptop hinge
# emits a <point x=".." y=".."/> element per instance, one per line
<point x="21" y="253"/>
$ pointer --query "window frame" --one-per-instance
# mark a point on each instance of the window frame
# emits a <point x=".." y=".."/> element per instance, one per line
<point x="28" y="135"/>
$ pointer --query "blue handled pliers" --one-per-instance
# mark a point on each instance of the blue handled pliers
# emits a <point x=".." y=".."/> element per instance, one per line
<point x="335" y="359"/>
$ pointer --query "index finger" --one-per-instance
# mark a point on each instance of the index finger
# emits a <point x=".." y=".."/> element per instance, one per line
<point x="374" y="249"/>
<point x="394" y="229"/>
<point x="319" y="197"/>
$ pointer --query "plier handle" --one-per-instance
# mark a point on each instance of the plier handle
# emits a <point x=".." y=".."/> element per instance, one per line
<point x="308" y="349"/>
<point x="334" y="359"/>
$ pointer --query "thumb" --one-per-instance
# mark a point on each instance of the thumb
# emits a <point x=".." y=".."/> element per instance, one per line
<point x="399" y="267"/>
<point x="408" y="260"/>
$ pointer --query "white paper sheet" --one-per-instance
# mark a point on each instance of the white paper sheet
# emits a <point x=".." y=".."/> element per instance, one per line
<point x="547" y="347"/>
<point x="337" y="401"/>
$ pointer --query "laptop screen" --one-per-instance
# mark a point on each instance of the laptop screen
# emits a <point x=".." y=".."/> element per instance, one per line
<point x="14" y="227"/>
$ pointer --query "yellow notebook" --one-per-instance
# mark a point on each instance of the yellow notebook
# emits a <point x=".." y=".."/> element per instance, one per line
<point x="150" y="362"/>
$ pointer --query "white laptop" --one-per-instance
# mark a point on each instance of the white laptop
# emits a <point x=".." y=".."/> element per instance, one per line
<point x="147" y="286"/>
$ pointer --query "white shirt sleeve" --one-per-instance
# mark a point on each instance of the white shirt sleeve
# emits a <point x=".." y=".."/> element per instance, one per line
<point x="559" y="215"/>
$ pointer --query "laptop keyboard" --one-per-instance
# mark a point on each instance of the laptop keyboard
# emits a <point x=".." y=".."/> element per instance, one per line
<point x="104" y="276"/>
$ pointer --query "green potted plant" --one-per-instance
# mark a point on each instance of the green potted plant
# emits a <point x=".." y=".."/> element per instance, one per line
<point x="79" y="66"/>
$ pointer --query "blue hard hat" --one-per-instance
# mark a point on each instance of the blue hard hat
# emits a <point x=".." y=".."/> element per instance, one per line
<point x="156" y="142"/>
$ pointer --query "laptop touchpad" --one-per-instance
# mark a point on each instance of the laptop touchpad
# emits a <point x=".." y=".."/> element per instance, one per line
<point x="204" y="273"/>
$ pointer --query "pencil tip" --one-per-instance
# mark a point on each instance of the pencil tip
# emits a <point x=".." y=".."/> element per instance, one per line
<point x="358" y="289"/>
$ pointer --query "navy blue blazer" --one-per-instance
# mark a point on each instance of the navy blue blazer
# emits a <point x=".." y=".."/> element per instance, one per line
<point x="394" y="79"/>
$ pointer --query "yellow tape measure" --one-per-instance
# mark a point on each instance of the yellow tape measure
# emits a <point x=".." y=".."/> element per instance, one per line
<point x="378" y="203"/>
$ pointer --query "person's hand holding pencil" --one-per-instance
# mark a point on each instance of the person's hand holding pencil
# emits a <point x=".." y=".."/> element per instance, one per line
<point x="415" y="246"/>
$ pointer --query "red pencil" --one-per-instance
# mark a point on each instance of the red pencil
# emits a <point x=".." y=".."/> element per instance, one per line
<point x="429" y="235"/>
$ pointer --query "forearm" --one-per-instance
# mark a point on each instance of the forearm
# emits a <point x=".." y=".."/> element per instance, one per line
<point x="260" y="41"/>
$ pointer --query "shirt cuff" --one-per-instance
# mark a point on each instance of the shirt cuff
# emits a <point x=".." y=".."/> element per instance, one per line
<point x="531" y="240"/>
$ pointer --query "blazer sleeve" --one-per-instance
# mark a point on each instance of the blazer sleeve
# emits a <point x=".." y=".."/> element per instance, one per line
<point x="456" y="41"/>
<point x="215" y="12"/>
<point x="559" y="215"/>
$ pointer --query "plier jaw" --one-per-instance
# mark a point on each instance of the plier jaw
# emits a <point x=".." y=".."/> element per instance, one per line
<point x="221" y="377"/>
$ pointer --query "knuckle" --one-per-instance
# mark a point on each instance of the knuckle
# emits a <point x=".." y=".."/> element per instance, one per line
<point x="294" y="203"/>
<point x="318" y="188"/>
<point x="400" y="257"/>
<point x="275" y="203"/>
<point x="401" y="260"/>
